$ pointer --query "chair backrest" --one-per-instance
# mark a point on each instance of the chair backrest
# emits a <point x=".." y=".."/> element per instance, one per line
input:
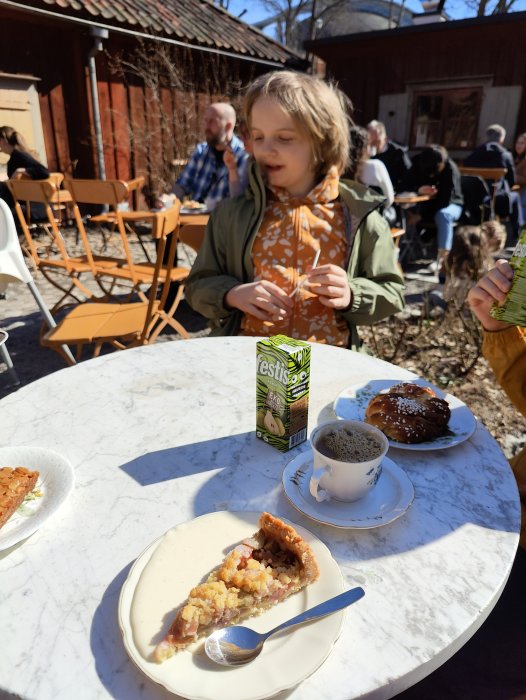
<point x="12" y="265"/>
<point x="492" y="174"/>
<point x="110" y="192"/>
<point x="104" y="192"/>
<point x="42" y="192"/>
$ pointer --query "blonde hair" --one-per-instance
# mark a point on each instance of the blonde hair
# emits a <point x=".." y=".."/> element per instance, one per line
<point x="319" y="109"/>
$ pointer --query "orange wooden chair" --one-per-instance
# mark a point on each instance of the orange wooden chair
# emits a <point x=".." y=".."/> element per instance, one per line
<point x="129" y="217"/>
<point x="124" y="325"/>
<point x="112" y="193"/>
<point x="50" y="255"/>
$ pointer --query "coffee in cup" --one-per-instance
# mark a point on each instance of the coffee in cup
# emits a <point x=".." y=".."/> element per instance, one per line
<point x="347" y="459"/>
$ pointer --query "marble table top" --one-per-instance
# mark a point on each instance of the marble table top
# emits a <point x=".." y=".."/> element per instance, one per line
<point x="162" y="434"/>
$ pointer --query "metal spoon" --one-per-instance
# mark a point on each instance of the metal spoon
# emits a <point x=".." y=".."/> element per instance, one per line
<point x="237" y="645"/>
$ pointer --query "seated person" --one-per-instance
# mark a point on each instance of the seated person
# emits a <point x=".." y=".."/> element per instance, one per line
<point x="492" y="154"/>
<point x="255" y="274"/>
<point x="205" y="177"/>
<point x="393" y="155"/>
<point x="504" y="347"/>
<point x="372" y="173"/>
<point x="20" y="161"/>
<point x="435" y="174"/>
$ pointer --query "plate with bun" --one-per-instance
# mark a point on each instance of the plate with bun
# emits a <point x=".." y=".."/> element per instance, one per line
<point x="412" y="413"/>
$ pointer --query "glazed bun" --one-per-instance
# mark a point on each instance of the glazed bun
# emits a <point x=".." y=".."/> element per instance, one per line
<point x="409" y="413"/>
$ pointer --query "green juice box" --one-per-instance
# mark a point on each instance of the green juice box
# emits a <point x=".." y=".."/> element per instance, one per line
<point x="513" y="309"/>
<point x="282" y="391"/>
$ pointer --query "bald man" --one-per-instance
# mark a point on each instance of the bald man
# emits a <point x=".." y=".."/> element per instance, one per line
<point x="206" y="176"/>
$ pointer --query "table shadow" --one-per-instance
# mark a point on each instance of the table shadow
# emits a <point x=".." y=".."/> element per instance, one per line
<point x="241" y="473"/>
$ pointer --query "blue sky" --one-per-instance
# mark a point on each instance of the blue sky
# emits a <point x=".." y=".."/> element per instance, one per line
<point x="457" y="9"/>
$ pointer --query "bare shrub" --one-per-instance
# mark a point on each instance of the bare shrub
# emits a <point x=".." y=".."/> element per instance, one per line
<point x="168" y="91"/>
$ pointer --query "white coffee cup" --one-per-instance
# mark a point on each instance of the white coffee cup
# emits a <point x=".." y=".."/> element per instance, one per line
<point x="352" y="478"/>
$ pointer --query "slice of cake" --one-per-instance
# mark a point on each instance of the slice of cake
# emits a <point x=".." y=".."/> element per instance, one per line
<point x="15" y="484"/>
<point x="265" y="569"/>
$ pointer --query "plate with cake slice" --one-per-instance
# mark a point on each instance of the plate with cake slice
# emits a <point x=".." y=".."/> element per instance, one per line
<point x="413" y="413"/>
<point x="224" y="568"/>
<point x="34" y="482"/>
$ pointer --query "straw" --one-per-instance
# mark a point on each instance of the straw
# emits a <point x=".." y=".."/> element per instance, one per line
<point x="300" y="284"/>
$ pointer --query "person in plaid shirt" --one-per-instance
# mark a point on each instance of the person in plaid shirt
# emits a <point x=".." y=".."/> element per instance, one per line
<point x="206" y="176"/>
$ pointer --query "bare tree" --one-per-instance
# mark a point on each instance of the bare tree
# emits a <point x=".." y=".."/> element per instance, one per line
<point x="488" y="7"/>
<point x="288" y="13"/>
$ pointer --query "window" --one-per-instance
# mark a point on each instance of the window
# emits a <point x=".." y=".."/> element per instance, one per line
<point x="448" y="117"/>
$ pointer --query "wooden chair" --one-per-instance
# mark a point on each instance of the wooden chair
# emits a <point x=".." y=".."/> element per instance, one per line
<point x="50" y="256"/>
<point x="129" y="217"/>
<point x="491" y="175"/>
<point x="112" y="193"/>
<point x="124" y="325"/>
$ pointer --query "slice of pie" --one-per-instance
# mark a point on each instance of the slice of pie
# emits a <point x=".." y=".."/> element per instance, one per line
<point x="15" y="484"/>
<point x="260" y="572"/>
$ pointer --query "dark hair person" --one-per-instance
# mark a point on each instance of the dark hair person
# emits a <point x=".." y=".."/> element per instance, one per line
<point x="20" y="160"/>
<point x="433" y="173"/>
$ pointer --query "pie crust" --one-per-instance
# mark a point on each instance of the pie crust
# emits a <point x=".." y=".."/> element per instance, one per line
<point x="15" y="484"/>
<point x="258" y="573"/>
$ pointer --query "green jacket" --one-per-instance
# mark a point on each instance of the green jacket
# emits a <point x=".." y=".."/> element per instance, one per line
<point x="225" y="259"/>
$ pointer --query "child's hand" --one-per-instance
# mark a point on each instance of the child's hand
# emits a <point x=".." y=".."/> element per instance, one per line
<point x="493" y="287"/>
<point x="262" y="299"/>
<point x="330" y="283"/>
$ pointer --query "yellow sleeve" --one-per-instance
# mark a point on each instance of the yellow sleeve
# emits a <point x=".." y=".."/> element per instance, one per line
<point x="506" y="353"/>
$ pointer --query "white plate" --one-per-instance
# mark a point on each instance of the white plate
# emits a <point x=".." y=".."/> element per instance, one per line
<point x="388" y="500"/>
<point x="195" y="210"/>
<point x="353" y="400"/>
<point x="199" y="546"/>
<point x="55" y="481"/>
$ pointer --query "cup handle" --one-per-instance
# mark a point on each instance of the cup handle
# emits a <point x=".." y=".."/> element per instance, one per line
<point x="319" y="494"/>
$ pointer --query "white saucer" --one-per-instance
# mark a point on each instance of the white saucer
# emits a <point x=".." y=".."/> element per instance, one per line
<point x="390" y="498"/>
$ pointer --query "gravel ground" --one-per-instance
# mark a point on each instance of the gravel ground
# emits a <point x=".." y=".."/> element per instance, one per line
<point x="21" y="317"/>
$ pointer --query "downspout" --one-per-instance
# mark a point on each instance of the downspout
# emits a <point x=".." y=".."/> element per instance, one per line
<point x="99" y="34"/>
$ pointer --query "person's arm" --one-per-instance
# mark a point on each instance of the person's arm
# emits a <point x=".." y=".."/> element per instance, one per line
<point x="216" y="286"/>
<point x="374" y="279"/>
<point x="235" y="182"/>
<point x="504" y="345"/>
<point x="22" y="162"/>
<point x="384" y="182"/>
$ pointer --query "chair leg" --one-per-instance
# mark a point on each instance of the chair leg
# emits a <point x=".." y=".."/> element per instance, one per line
<point x="7" y="359"/>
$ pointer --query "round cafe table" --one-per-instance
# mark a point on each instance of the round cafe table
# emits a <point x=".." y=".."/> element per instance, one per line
<point x="160" y="435"/>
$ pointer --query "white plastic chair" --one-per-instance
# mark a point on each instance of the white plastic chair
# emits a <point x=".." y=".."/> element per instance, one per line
<point x="7" y="358"/>
<point x="13" y="269"/>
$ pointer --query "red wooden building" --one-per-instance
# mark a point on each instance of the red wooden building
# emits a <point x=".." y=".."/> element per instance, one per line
<point x="441" y="82"/>
<point x="120" y="87"/>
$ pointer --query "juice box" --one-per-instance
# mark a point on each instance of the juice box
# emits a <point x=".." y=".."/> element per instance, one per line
<point x="282" y="391"/>
<point x="513" y="310"/>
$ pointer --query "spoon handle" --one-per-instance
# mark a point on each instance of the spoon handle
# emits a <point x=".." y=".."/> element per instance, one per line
<point x="325" y="608"/>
